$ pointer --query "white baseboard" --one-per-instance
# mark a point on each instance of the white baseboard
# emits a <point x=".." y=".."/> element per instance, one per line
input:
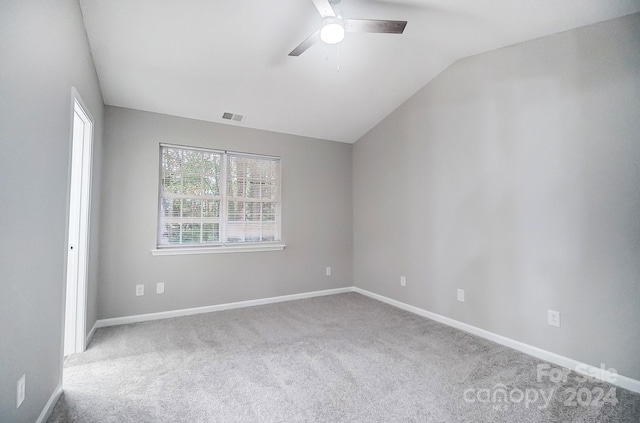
<point x="49" y="406"/>
<point x="219" y="307"/>
<point x="92" y="332"/>
<point x="569" y="363"/>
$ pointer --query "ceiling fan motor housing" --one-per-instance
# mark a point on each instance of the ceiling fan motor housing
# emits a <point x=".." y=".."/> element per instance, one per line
<point x="334" y="26"/>
<point x="332" y="31"/>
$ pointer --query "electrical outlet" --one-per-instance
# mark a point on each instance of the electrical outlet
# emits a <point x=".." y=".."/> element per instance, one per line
<point x="139" y="290"/>
<point x="21" y="390"/>
<point x="553" y="318"/>
<point x="327" y="271"/>
<point x="403" y="281"/>
<point x="160" y="288"/>
<point x="460" y="295"/>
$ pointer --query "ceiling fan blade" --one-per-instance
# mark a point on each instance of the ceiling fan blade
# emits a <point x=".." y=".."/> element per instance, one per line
<point x="373" y="25"/>
<point x="324" y="7"/>
<point x="306" y="44"/>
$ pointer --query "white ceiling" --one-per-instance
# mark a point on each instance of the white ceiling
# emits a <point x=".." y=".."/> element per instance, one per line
<point x="200" y="58"/>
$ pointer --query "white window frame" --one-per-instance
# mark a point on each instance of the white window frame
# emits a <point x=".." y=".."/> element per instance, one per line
<point x="222" y="246"/>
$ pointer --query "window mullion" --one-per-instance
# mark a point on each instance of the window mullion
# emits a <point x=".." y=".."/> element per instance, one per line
<point x="263" y="181"/>
<point x="223" y="202"/>
<point x="201" y="200"/>
<point x="181" y="192"/>
<point x="201" y="221"/>
<point x="181" y="206"/>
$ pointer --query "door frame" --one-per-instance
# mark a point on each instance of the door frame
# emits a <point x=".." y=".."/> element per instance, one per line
<point x="75" y="309"/>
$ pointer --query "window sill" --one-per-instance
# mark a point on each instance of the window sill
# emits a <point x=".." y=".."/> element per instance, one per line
<point x="252" y="248"/>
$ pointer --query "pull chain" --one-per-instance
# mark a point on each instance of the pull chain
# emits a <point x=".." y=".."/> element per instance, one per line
<point x="326" y="57"/>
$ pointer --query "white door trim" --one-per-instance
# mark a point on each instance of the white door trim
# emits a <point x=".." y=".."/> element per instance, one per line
<point x="78" y="248"/>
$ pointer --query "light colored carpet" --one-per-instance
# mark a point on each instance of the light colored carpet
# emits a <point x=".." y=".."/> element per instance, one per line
<point x="341" y="358"/>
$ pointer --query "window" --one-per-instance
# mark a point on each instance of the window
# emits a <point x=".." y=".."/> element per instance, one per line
<point x="217" y="198"/>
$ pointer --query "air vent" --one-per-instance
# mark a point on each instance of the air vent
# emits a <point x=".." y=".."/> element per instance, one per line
<point x="232" y="116"/>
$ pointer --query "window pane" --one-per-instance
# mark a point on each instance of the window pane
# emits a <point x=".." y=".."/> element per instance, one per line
<point x="190" y="233"/>
<point x="252" y="211"/>
<point x="252" y="179"/>
<point x="211" y="232"/>
<point x="211" y="186"/>
<point x="269" y="232"/>
<point x="192" y="161"/>
<point x="172" y="182"/>
<point x="170" y="207"/>
<point x="171" y="160"/>
<point x="253" y="188"/>
<point x="192" y="191"/>
<point x="268" y="212"/>
<point x="171" y="233"/>
<point x="191" y="208"/>
<point x="211" y="165"/>
<point x="236" y="211"/>
<point x="268" y="191"/>
<point x="211" y="208"/>
<point x="188" y="177"/>
<point x="192" y="184"/>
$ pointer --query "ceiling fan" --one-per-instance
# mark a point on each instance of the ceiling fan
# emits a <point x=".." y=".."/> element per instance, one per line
<point x="334" y="27"/>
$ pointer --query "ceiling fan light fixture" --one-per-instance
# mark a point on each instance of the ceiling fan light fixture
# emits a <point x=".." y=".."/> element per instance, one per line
<point x="334" y="26"/>
<point x="332" y="31"/>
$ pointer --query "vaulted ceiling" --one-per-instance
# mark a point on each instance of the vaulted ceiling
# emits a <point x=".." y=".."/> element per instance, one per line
<point x="200" y="58"/>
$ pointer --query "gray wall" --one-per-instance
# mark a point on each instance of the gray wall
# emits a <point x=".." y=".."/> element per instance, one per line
<point x="316" y="223"/>
<point x="44" y="51"/>
<point x="515" y="175"/>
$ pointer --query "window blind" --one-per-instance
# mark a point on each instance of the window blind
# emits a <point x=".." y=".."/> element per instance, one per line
<point x="210" y="197"/>
<point x="253" y="193"/>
